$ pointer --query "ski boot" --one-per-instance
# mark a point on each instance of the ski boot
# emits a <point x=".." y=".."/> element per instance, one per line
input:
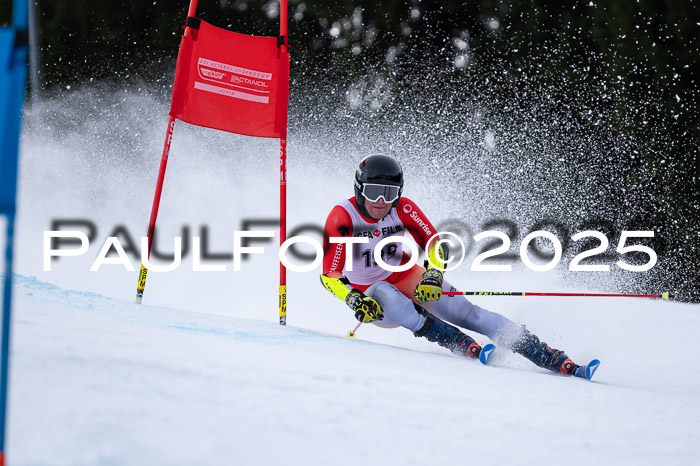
<point x="568" y="367"/>
<point x="542" y="355"/>
<point x="450" y="337"/>
<point x="585" y="372"/>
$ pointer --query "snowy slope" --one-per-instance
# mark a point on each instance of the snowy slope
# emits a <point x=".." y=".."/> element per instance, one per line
<point x="202" y="374"/>
<point x="97" y="380"/>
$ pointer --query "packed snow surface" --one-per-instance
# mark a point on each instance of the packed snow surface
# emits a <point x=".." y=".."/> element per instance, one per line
<point x="97" y="380"/>
<point x="201" y="373"/>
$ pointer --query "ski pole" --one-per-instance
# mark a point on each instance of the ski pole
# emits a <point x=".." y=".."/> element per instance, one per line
<point x="527" y="293"/>
<point x="351" y="333"/>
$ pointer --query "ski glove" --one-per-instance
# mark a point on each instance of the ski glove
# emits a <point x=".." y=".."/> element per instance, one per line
<point x="366" y="309"/>
<point x="430" y="287"/>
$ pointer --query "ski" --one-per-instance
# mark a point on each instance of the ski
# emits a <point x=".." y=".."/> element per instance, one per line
<point x="486" y="353"/>
<point x="587" y="371"/>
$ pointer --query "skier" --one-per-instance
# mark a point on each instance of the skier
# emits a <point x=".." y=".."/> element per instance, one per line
<point x="412" y="298"/>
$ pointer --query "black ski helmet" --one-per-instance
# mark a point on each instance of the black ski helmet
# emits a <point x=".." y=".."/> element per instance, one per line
<point x="377" y="169"/>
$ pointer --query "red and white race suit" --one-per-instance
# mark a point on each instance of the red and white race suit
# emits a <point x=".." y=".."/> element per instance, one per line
<point x="394" y="290"/>
<point x="346" y="221"/>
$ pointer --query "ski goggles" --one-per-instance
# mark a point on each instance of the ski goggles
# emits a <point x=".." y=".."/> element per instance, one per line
<point x="372" y="192"/>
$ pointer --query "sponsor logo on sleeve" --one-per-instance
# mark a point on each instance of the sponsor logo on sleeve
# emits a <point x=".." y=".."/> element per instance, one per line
<point x="337" y="255"/>
<point x="421" y="223"/>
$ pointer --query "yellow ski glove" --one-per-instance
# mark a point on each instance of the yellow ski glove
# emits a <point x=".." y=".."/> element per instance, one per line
<point x="366" y="309"/>
<point x="430" y="287"/>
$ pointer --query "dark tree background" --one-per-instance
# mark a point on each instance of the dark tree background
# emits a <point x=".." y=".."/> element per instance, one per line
<point x="646" y="50"/>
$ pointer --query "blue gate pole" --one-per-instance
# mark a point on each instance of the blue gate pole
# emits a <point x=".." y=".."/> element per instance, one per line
<point x="13" y="76"/>
<point x="7" y="301"/>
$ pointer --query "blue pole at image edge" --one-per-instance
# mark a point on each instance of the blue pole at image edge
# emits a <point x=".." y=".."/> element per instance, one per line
<point x="13" y="76"/>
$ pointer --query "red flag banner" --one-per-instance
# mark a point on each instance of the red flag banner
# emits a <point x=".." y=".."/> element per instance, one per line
<point x="232" y="82"/>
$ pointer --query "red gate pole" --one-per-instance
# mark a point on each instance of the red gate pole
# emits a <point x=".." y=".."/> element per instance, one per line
<point x="156" y="203"/>
<point x="283" y="181"/>
<point x="283" y="229"/>
<point x="663" y="295"/>
<point x="161" y="176"/>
